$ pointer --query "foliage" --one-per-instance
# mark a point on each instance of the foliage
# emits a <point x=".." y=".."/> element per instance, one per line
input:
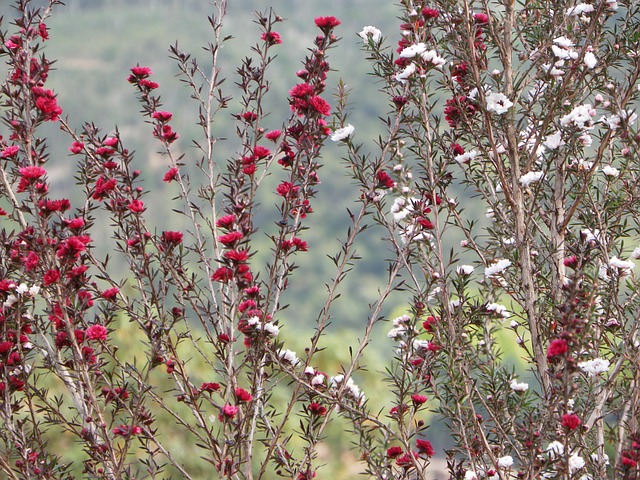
<point x="530" y="107"/>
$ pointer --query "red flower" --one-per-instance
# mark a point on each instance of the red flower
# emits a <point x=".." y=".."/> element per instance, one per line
<point x="230" y="238"/>
<point x="317" y="409"/>
<point x="172" y="237"/>
<point x="571" y="421"/>
<point x="302" y="90"/>
<point x="136" y="206"/>
<point x="237" y="256"/>
<point x="148" y="84"/>
<point x="481" y="18"/>
<point x="47" y="103"/>
<point x="425" y="447"/>
<point x="226" y="222"/>
<point x="162" y="116"/>
<point x="320" y="105"/>
<point x="96" y="332"/>
<point x="261" y="152"/>
<point x="222" y="274"/>
<point x="287" y="190"/>
<point x="32" y="173"/>
<point x="557" y="348"/>
<point x="242" y="395"/>
<point x="327" y="22"/>
<point x="406" y="460"/>
<point x="418" y="399"/>
<point x="228" y="411"/>
<point x="141" y="72"/>
<point x="209" y="387"/>
<point x="171" y="175"/>
<point x="384" y="180"/>
<point x="430" y="12"/>
<point x="272" y="38"/>
<point x="393" y="452"/>
<point x="104" y="187"/>
<point x="50" y="277"/>
<point x="10" y="151"/>
<point x="43" y="32"/>
<point x="273" y="135"/>
<point x="72" y="247"/>
<point x="110" y="293"/>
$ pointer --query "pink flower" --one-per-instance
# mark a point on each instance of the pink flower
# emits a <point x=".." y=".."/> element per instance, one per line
<point x="571" y="421"/>
<point x="76" y="147"/>
<point x="557" y="348"/>
<point x="228" y="411"/>
<point x="327" y="23"/>
<point x="272" y="38"/>
<point x="96" y="332"/>
<point x="47" y="103"/>
<point x="9" y="151"/>
<point x="32" y="173"/>
<point x="136" y="206"/>
<point x="273" y="135"/>
<point x="171" y="175"/>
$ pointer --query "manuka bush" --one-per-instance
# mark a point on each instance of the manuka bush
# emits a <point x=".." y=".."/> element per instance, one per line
<point x="528" y="108"/>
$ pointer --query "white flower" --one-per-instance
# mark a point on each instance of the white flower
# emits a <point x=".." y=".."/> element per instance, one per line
<point x="401" y="208"/>
<point x="530" y="177"/>
<point x="579" y="9"/>
<point x="595" y="458"/>
<point x="505" y="462"/>
<point x="498" y="309"/>
<point x="464" y="270"/>
<point x="590" y="235"/>
<point x="554" y="141"/>
<point x="590" y="60"/>
<point x="555" y="449"/>
<point x="470" y="475"/>
<point x="318" y="380"/>
<point x="624" y="267"/>
<point x="367" y="31"/>
<point x="406" y="73"/>
<point x="397" y="332"/>
<point x="610" y="171"/>
<point x="11" y="299"/>
<point x="497" y="268"/>
<point x="465" y="157"/>
<point x="576" y="462"/>
<point x="270" y="328"/>
<point x="518" y="387"/>
<point x="498" y="103"/>
<point x="401" y="320"/>
<point x="342" y="133"/>
<point x="580" y="116"/>
<point x="351" y="387"/>
<point x="595" y="366"/>
<point x="22" y="289"/>
<point x="309" y="370"/>
<point x="563" y="42"/>
<point x="432" y="57"/>
<point x="289" y="356"/>
<point x="413" y="50"/>
<point x="34" y="290"/>
<point x="636" y="253"/>
<point x="253" y="321"/>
